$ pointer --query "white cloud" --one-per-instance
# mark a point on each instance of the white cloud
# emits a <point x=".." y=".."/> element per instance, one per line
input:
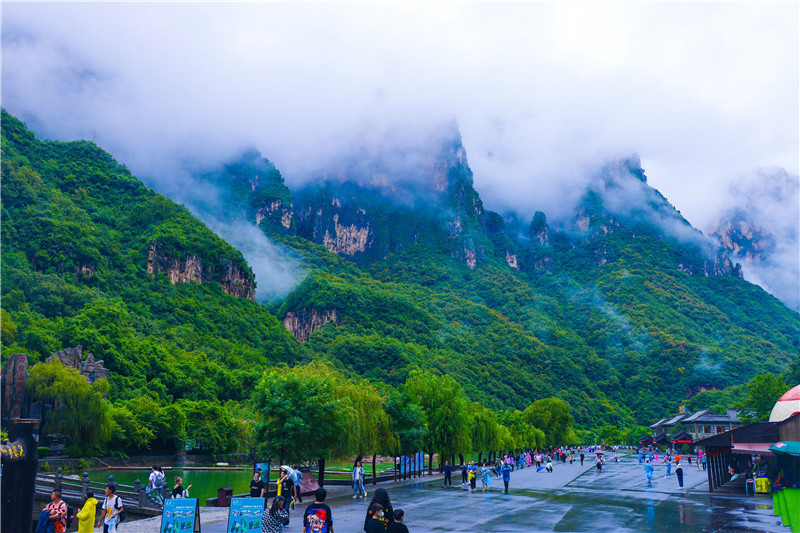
<point x="542" y="92"/>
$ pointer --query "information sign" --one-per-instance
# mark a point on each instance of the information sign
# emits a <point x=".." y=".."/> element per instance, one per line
<point x="245" y="515"/>
<point x="181" y="515"/>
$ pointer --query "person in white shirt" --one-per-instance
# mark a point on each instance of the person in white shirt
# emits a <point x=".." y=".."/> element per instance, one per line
<point x="112" y="507"/>
<point x="358" y="481"/>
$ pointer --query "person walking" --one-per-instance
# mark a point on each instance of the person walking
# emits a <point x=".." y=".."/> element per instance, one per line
<point x="398" y="526"/>
<point x="155" y="483"/>
<point x="505" y="472"/>
<point x="486" y="479"/>
<point x="648" y="473"/>
<point x="112" y="507"/>
<point x="318" y="517"/>
<point x="276" y="517"/>
<point x="86" y="515"/>
<point x="582" y="458"/>
<point x="58" y="512"/>
<point x="463" y="472"/>
<point x="448" y="472"/>
<point x="679" y="473"/>
<point x="358" y="481"/>
<point x="703" y="461"/>
<point x="669" y="468"/>
<point x="375" y="519"/>
<point x="472" y="475"/>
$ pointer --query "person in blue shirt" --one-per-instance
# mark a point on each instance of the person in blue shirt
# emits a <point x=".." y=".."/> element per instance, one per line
<point x="648" y="472"/>
<point x="448" y="470"/>
<point x="505" y="472"/>
<point x="472" y="475"/>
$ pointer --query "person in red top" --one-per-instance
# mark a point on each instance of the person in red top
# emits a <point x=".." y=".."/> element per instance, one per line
<point x="58" y="511"/>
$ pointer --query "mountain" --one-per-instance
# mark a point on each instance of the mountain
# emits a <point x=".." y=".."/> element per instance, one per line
<point x="624" y="310"/>
<point x="759" y="224"/>
<point x="92" y="257"/>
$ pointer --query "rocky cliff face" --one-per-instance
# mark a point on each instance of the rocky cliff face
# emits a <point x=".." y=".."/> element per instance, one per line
<point x="620" y="207"/>
<point x="190" y="269"/>
<point x="305" y="321"/>
<point x="375" y="207"/>
<point x="759" y="225"/>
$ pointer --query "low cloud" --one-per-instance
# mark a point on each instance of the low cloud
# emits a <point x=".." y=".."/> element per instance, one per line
<point x="544" y="94"/>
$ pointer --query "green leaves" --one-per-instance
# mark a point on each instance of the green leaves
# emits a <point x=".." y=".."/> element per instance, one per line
<point x="80" y="411"/>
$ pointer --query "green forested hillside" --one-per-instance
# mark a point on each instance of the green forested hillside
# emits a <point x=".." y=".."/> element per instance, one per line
<point x="76" y="232"/>
<point x="611" y="312"/>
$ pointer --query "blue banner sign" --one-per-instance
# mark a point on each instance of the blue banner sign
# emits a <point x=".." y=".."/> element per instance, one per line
<point x="245" y="515"/>
<point x="180" y="516"/>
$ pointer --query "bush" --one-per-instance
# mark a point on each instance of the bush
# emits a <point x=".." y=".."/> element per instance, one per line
<point x="43" y="451"/>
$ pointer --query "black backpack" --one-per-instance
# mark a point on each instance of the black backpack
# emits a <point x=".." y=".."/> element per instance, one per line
<point x="124" y="513"/>
<point x="70" y="515"/>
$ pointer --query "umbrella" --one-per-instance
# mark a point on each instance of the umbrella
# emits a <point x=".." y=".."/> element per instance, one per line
<point x="789" y="447"/>
<point x="786" y="406"/>
<point x="599" y="453"/>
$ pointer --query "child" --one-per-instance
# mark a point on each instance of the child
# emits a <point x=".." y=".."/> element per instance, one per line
<point x="398" y="526"/>
<point x="374" y="524"/>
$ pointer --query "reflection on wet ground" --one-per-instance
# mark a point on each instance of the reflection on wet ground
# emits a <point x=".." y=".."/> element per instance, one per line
<point x="572" y="498"/>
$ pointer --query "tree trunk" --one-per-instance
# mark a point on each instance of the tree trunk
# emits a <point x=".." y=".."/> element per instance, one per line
<point x="461" y="458"/>
<point x="321" y="477"/>
<point x="396" y="468"/>
<point x="430" y="463"/>
<point x="480" y="454"/>
<point x="374" y="480"/>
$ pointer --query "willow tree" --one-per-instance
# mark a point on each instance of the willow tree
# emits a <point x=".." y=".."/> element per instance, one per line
<point x="80" y="412"/>
<point x="552" y="416"/>
<point x="447" y="410"/>
<point x="485" y="434"/>
<point x="369" y="426"/>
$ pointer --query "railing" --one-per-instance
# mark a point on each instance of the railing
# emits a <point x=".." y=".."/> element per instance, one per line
<point x="135" y="497"/>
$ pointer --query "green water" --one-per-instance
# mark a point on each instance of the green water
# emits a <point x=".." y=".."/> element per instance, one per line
<point x="204" y="482"/>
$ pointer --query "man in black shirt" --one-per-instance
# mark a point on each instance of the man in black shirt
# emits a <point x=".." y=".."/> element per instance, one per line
<point x="257" y="487"/>
<point x="318" y="517"/>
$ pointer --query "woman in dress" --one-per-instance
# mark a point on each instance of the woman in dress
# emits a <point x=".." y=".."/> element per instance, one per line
<point x="486" y="479"/>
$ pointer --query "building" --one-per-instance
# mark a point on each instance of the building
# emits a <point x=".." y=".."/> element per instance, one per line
<point x="706" y="422"/>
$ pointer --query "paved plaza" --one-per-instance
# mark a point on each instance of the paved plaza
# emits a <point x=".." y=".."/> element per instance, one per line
<point x="572" y="498"/>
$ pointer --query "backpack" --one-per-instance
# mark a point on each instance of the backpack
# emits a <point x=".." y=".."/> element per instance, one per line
<point x="160" y="480"/>
<point x="123" y="515"/>
<point x="70" y="515"/>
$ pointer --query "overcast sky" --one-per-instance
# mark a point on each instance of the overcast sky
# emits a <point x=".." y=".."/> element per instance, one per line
<point x="702" y="92"/>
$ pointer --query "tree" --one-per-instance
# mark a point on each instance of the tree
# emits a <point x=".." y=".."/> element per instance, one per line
<point x="762" y="393"/>
<point x="80" y="412"/>
<point x="447" y="410"/>
<point x="552" y="416"/>
<point x="300" y="416"/>
<point x="610" y="434"/>
<point x="408" y="421"/>
<point x="485" y="430"/>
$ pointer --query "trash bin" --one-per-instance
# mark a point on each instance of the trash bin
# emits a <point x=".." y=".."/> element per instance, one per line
<point x="224" y="496"/>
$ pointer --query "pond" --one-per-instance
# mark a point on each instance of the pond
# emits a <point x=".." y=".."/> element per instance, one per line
<point x="204" y="482"/>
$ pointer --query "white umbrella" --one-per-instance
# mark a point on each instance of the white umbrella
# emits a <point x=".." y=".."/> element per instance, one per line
<point x="786" y="406"/>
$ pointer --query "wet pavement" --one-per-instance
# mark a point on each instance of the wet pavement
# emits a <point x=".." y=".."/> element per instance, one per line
<point x="572" y="498"/>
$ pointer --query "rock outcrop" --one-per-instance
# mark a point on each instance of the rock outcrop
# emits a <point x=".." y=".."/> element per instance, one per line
<point x="190" y="269"/>
<point x="89" y="368"/>
<point x="304" y="322"/>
